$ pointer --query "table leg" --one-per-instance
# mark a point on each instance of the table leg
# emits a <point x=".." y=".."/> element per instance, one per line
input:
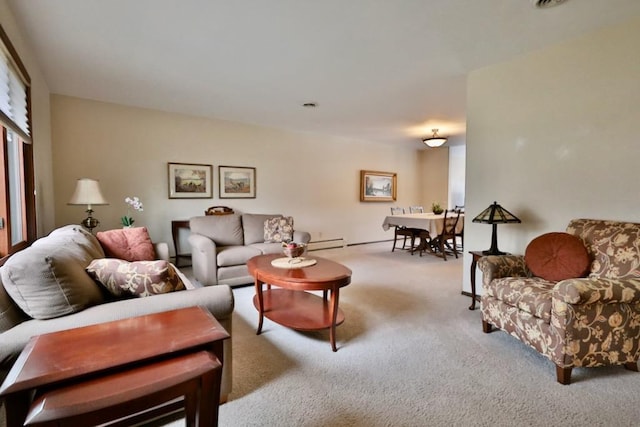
<point x="260" y="305"/>
<point x="334" y="315"/>
<point x="16" y="407"/>
<point x="474" y="264"/>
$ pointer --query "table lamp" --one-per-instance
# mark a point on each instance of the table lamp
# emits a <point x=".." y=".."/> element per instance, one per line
<point x="88" y="193"/>
<point x="494" y="215"/>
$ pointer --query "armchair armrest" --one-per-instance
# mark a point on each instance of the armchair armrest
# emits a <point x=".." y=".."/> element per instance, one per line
<point x="301" y="237"/>
<point x="497" y="266"/>
<point x="204" y="259"/>
<point x="162" y="251"/>
<point x="601" y="290"/>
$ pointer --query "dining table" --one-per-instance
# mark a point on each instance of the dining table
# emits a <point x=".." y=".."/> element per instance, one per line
<point x="429" y="221"/>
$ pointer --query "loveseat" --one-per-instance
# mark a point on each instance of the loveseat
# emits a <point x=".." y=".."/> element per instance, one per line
<point x="576" y="322"/>
<point x="46" y="288"/>
<point x="221" y="245"/>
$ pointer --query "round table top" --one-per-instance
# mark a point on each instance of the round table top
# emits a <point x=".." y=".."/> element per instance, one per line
<point x="325" y="274"/>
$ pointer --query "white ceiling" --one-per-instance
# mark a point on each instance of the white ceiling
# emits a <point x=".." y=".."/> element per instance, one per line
<point x="379" y="70"/>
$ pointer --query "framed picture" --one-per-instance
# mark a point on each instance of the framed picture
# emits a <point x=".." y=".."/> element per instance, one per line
<point x="190" y="181"/>
<point x="378" y="186"/>
<point x="237" y="182"/>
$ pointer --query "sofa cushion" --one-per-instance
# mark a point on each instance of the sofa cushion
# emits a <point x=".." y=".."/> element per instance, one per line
<point x="269" y="248"/>
<point x="129" y="244"/>
<point x="139" y="278"/>
<point x="49" y="279"/>
<point x="557" y="256"/>
<point x="612" y="246"/>
<point x="224" y="230"/>
<point x="235" y="255"/>
<point x="10" y="313"/>
<point x="253" y="225"/>
<point x="530" y="294"/>
<point x="278" y="229"/>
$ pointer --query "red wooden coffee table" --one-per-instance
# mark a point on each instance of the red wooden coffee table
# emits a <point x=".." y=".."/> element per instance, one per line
<point x="57" y="358"/>
<point x="290" y="305"/>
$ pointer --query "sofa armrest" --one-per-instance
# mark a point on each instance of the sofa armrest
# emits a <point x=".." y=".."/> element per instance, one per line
<point x="600" y="290"/>
<point x="162" y="251"/>
<point x="204" y="259"/>
<point x="497" y="266"/>
<point x="301" y="237"/>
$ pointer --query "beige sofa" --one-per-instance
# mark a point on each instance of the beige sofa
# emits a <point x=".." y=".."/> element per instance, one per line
<point x="54" y="266"/>
<point x="221" y="245"/>
<point x="576" y="322"/>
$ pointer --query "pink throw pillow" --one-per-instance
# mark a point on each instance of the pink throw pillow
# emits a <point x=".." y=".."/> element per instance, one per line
<point x="129" y="244"/>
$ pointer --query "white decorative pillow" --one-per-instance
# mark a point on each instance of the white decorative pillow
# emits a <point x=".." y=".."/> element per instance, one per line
<point x="278" y="229"/>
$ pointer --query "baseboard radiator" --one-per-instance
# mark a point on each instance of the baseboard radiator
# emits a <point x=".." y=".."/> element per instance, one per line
<point x="326" y="244"/>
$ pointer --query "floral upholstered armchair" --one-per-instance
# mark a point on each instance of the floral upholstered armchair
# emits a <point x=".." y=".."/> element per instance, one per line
<point x="576" y="322"/>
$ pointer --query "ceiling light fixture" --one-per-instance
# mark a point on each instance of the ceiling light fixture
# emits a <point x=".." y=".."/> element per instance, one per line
<point x="435" y="140"/>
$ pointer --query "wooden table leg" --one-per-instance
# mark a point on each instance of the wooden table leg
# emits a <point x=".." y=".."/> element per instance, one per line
<point x="260" y="305"/>
<point x="474" y="263"/>
<point x="16" y="407"/>
<point x="334" y="315"/>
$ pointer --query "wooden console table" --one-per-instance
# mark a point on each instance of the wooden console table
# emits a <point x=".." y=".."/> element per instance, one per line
<point x="176" y="225"/>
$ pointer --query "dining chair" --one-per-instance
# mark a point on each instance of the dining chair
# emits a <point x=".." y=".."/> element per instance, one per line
<point x="404" y="232"/>
<point x="446" y="240"/>
<point x="460" y="232"/>
<point x="416" y="209"/>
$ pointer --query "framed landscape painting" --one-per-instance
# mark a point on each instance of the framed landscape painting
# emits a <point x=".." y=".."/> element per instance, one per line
<point x="190" y="181"/>
<point x="237" y="182"/>
<point x="377" y="186"/>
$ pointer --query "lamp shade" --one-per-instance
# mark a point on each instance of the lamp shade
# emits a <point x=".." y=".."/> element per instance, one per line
<point x="87" y="193"/>
<point x="495" y="214"/>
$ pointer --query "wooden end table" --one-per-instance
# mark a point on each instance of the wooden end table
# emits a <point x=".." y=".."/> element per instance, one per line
<point x="290" y="305"/>
<point x="58" y="358"/>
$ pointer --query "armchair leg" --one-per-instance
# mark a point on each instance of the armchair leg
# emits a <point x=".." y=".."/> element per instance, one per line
<point x="563" y="375"/>
<point x="631" y="366"/>
<point x="486" y="327"/>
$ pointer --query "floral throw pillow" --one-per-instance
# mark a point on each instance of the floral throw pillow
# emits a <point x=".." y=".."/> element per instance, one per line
<point x="139" y="278"/>
<point x="279" y="229"/>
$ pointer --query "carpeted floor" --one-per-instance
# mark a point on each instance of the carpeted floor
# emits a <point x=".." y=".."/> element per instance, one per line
<point x="410" y="353"/>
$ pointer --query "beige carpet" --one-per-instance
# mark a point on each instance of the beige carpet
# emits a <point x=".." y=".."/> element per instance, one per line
<point x="410" y="353"/>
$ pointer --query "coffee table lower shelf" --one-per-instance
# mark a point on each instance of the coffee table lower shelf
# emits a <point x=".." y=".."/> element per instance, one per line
<point x="297" y="310"/>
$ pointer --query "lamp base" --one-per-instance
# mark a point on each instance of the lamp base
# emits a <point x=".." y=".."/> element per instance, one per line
<point x="493" y="252"/>
<point x="90" y="222"/>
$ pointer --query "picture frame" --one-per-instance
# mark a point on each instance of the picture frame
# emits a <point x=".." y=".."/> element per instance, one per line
<point x="190" y="181"/>
<point x="237" y="182"/>
<point x="378" y="186"/>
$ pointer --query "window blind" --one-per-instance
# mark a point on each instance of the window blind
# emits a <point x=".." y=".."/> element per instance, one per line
<point x="13" y="95"/>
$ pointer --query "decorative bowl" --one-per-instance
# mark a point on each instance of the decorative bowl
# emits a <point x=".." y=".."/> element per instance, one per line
<point x="294" y="252"/>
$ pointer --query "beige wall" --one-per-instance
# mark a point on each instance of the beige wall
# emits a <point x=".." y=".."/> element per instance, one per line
<point x="434" y="176"/>
<point x="313" y="178"/>
<point x="41" y="122"/>
<point x="553" y="135"/>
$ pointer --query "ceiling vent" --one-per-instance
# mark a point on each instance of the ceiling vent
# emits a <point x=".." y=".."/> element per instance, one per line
<point x="543" y="4"/>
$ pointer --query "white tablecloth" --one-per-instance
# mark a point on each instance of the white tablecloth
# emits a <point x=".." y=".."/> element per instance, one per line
<point x="424" y="221"/>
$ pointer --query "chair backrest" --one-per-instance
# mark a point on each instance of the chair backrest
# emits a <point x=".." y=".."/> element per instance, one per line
<point x="451" y="218"/>
<point x="459" y="208"/>
<point x="397" y="210"/>
<point x="416" y="209"/>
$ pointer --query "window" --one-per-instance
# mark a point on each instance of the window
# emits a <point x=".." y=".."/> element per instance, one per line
<point x="17" y="200"/>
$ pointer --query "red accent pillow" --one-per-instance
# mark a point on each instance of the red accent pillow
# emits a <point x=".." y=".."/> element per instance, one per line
<point x="557" y="256"/>
<point x="129" y="244"/>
